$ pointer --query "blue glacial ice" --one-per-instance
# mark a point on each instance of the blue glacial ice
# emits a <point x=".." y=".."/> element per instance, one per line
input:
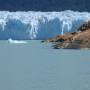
<point x="39" y="25"/>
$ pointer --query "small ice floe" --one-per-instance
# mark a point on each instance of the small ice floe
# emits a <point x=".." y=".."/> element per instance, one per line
<point x="16" y="41"/>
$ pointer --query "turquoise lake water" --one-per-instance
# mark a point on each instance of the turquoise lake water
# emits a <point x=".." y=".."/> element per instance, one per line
<point x="36" y="66"/>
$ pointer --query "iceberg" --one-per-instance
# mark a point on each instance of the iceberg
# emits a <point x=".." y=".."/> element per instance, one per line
<point x="16" y="41"/>
<point x="21" y="25"/>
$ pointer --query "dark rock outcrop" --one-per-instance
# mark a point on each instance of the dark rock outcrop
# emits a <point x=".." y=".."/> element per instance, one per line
<point x="85" y="26"/>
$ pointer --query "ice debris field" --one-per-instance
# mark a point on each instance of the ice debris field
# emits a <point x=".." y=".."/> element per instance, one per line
<point x="39" y="25"/>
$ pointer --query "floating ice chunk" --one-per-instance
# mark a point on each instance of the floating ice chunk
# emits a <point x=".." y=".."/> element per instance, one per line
<point x="16" y="41"/>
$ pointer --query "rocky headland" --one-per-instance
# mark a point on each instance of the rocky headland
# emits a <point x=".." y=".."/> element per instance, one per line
<point x="75" y="40"/>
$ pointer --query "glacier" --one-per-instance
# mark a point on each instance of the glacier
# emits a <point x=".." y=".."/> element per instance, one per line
<point x="21" y="25"/>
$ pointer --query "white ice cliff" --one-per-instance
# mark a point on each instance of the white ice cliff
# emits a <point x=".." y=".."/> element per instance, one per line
<point x="39" y="25"/>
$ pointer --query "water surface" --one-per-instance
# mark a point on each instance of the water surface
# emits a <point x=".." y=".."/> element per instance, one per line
<point x="36" y="66"/>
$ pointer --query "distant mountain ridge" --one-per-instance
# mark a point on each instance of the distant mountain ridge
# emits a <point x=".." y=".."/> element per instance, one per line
<point x="45" y="5"/>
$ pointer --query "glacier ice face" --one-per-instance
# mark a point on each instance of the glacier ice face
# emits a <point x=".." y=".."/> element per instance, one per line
<point x="39" y="25"/>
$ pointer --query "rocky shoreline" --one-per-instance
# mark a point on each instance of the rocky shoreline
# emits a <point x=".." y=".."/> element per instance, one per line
<point x="75" y="40"/>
